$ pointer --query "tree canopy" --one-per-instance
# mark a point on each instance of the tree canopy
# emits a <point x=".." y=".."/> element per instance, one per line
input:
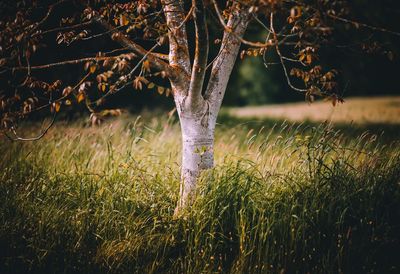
<point x="54" y="54"/>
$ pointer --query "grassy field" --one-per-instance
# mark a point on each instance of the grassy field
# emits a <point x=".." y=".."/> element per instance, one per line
<point x="359" y="110"/>
<point x="283" y="198"/>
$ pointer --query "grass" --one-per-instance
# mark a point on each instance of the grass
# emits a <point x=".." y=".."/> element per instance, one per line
<point x="284" y="198"/>
<point x="359" y="110"/>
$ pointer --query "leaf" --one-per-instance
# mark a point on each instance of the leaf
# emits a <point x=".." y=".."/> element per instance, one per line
<point x="110" y="112"/>
<point x="315" y="91"/>
<point x="68" y="102"/>
<point x="334" y="101"/>
<point x="242" y="54"/>
<point x="80" y="97"/>
<point x="160" y="90"/>
<point x="67" y="91"/>
<point x="151" y="85"/>
<point x="309" y="59"/>
<point x="123" y="20"/>
<point x="92" y="68"/>
<point x="295" y="12"/>
<point x="19" y="37"/>
<point x="102" y="87"/>
<point x="146" y="66"/>
<point x="95" y="119"/>
<point x="116" y="36"/>
<point x="3" y="61"/>
<point x="122" y="65"/>
<point x="56" y="107"/>
<point x="137" y="84"/>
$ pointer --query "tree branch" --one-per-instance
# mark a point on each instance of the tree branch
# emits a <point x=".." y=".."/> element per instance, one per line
<point x="281" y="57"/>
<point x="59" y="99"/>
<point x="178" y="44"/>
<point x="18" y="138"/>
<point x="223" y="65"/>
<point x="49" y="12"/>
<point x="358" y="24"/>
<point x="201" y="53"/>
<point x="68" y="62"/>
<point x="229" y="29"/>
<point x="126" y="42"/>
<point x="127" y="80"/>
<point x="65" y="28"/>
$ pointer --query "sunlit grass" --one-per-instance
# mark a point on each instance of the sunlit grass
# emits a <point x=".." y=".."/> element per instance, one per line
<point x="357" y="110"/>
<point x="282" y="199"/>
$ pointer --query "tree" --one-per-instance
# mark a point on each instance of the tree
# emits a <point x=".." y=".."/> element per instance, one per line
<point x="147" y="30"/>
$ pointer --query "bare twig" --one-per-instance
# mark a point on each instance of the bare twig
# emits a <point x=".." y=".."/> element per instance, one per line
<point x="18" y="138"/>
<point x="187" y="17"/>
<point x="230" y="30"/>
<point x="44" y="19"/>
<point x="65" y="28"/>
<point x="281" y="57"/>
<point x="68" y="62"/>
<point x="358" y="24"/>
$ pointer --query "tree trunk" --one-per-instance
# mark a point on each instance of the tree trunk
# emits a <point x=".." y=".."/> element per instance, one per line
<point x="197" y="152"/>
<point x="198" y="112"/>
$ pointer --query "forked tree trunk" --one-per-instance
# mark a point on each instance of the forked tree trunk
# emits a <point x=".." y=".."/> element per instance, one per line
<point x="197" y="110"/>
<point x="198" y="113"/>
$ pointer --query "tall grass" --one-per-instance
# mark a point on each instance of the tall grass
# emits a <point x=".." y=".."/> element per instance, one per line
<point x="282" y="199"/>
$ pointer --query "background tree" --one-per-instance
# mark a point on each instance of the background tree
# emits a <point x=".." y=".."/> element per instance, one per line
<point x="161" y="45"/>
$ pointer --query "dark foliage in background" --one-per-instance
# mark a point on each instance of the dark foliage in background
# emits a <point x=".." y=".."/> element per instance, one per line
<point x="367" y="61"/>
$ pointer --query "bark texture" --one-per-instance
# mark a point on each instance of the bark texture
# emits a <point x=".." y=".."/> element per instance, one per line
<point x="198" y="113"/>
<point x="197" y="154"/>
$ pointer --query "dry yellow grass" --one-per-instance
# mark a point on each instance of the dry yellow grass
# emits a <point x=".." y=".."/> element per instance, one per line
<point x="359" y="110"/>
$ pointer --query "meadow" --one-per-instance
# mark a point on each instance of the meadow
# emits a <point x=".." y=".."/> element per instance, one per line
<point x="284" y="197"/>
<point x="359" y="110"/>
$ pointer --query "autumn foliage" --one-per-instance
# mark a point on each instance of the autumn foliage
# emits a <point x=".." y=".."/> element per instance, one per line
<point x="294" y="30"/>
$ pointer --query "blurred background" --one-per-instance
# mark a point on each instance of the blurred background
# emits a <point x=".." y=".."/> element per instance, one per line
<point x="361" y="73"/>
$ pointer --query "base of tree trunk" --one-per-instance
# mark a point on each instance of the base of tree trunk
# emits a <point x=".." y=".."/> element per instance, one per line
<point x="197" y="155"/>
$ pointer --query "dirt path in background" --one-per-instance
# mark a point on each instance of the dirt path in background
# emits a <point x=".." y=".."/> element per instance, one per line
<point x="359" y="110"/>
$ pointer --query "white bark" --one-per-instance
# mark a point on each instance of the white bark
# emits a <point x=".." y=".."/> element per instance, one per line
<point x="198" y="115"/>
<point x="223" y="66"/>
<point x="197" y="153"/>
